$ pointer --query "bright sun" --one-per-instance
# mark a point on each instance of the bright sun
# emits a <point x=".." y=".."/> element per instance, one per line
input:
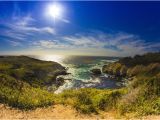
<point x="54" y="10"/>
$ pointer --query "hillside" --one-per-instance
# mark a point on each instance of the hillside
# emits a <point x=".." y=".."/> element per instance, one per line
<point x="128" y="65"/>
<point x="24" y="81"/>
<point x="30" y="70"/>
<point x="142" y="75"/>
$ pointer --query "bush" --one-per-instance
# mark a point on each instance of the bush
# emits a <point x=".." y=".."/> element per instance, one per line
<point x="20" y="94"/>
<point x="89" y="100"/>
<point x="143" y="96"/>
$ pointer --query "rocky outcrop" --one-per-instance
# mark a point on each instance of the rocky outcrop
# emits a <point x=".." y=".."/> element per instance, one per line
<point x="129" y="67"/>
<point x="33" y="71"/>
<point x="96" y="71"/>
<point x="116" y="69"/>
<point x="60" y="81"/>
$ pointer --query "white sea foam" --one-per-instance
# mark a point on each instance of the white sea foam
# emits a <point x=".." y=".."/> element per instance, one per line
<point x="80" y="67"/>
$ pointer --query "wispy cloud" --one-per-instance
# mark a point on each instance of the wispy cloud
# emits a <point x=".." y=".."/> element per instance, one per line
<point x="100" y="43"/>
<point x="21" y="28"/>
<point x="50" y="44"/>
<point x="31" y="29"/>
<point x="23" y="21"/>
<point x="24" y="24"/>
<point x="26" y="31"/>
<point x="65" y="20"/>
<point x="14" y="43"/>
<point x="120" y="43"/>
<point x="45" y="44"/>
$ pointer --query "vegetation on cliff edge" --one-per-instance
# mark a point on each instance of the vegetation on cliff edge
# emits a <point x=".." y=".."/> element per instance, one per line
<point x="23" y="81"/>
<point x="143" y="87"/>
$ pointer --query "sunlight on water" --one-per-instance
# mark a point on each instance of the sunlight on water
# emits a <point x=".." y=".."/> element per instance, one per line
<point x="80" y="68"/>
<point x="55" y="58"/>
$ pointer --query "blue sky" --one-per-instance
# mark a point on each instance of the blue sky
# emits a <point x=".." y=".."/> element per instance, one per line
<point x="83" y="28"/>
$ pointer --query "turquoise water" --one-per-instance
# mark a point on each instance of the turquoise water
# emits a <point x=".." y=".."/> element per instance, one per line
<point x="80" y="66"/>
<point x="81" y="77"/>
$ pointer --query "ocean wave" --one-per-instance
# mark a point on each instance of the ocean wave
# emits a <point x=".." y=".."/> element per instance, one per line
<point x="76" y="84"/>
<point x="95" y="82"/>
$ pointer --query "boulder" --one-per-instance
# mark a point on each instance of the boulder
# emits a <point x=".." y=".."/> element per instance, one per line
<point x="61" y="72"/>
<point x="96" y="71"/>
<point x="59" y="81"/>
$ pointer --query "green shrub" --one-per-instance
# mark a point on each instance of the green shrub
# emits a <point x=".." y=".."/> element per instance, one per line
<point x="19" y="94"/>
<point x="89" y="100"/>
<point x="34" y="97"/>
<point x="4" y="67"/>
<point x="143" y="96"/>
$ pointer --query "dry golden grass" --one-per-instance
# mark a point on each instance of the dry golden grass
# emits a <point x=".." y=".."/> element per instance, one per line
<point x="59" y="112"/>
<point x="52" y="112"/>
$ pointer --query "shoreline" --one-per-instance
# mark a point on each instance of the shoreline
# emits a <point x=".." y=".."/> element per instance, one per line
<point x="23" y="94"/>
<point x="98" y="82"/>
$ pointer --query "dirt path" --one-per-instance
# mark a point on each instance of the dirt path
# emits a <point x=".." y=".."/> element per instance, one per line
<point x="55" y="112"/>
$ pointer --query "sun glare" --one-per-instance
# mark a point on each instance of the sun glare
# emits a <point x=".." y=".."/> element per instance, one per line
<point x="54" y="10"/>
<point x="55" y="58"/>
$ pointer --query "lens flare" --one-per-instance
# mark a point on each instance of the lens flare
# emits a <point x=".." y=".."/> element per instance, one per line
<point x="54" y="10"/>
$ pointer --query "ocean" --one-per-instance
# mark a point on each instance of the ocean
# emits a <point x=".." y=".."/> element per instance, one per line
<point x="81" y="76"/>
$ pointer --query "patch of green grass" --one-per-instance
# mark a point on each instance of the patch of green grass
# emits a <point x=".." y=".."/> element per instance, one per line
<point x="144" y="87"/>
<point x="23" y="79"/>
<point x="29" y="98"/>
<point x="90" y="100"/>
<point x="19" y="94"/>
<point x="30" y="70"/>
<point x="143" y="96"/>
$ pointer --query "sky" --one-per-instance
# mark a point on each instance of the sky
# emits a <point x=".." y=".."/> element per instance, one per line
<point x="79" y="28"/>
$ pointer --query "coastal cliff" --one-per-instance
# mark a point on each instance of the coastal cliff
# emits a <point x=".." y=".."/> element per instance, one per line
<point x="142" y="75"/>
<point x="132" y="66"/>
<point x="23" y="81"/>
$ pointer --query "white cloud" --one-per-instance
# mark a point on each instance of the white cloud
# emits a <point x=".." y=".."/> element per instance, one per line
<point x="99" y="43"/>
<point x="13" y="35"/>
<point x="42" y="30"/>
<point x="48" y="30"/>
<point x="23" y="21"/>
<point x="25" y="24"/>
<point x="116" y="44"/>
<point x="65" y="20"/>
<point x="50" y="44"/>
<point x="14" y="43"/>
<point x="21" y="28"/>
<point x="45" y="43"/>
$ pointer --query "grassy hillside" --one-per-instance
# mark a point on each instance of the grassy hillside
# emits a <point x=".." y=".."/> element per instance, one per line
<point x="129" y="66"/>
<point x="22" y="81"/>
<point x="91" y="100"/>
<point x="143" y="87"/>
<point x="32" y="71"/>
<point x="141" y="96"/>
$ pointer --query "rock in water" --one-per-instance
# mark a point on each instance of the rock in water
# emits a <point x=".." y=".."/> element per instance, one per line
<point x="96" y="71"/>
<point x="59" y="81"/>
